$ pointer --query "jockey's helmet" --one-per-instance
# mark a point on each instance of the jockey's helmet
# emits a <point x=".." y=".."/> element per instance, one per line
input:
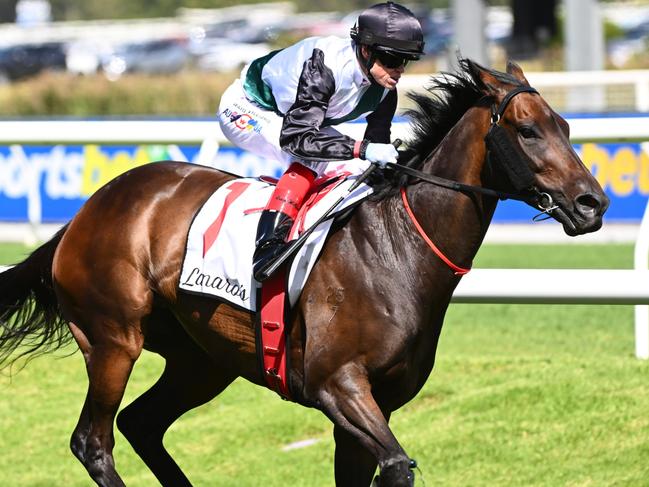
<point x="391" y="28"/>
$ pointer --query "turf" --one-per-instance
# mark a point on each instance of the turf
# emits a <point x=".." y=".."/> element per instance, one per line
<point x="520" y="395"/>
<point x="11" y="253"/>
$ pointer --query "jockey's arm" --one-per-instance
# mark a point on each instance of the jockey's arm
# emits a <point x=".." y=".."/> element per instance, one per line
<point x="302" y="133"/>
<point x="379" y="122"/>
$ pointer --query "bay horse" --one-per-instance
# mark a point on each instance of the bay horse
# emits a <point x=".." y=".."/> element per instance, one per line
<point x="364" y="333"/>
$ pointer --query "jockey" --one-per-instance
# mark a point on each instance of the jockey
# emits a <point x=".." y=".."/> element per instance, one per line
<point x="285" y="104"/>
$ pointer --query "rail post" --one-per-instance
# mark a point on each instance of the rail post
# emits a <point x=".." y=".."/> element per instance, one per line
<point x="641" y="262"/>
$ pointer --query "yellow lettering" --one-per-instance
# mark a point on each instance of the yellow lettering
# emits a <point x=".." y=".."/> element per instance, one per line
<point x="596" y="160"/>
<point x="622" y="172"/>
<point x="100" y="169"/>
<point x="643" y="174"/>
<point x="142" y="156"/>
<point x="93" y="169"/>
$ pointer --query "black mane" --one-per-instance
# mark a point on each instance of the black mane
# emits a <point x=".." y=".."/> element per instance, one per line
<point x="436" y="111"/>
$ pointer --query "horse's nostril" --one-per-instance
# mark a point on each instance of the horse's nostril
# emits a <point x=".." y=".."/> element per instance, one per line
<point x="588" y="204"/>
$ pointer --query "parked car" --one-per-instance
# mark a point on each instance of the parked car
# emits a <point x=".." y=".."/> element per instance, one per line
<point x="238" y="30"/>
<point x="438" y="37"/>
<point x="225" y="55"/>
<point x="22" y="61"/>
<point x="164" y="56"/>
<point x="634" y="41"/>
<point x="84" y="57"/>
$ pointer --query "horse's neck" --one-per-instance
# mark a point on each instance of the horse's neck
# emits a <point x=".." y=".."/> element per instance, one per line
<point x="398" y="265"/>
<point x="454" y="221"/>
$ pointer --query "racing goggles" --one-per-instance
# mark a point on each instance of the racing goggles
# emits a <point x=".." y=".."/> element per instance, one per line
<point x="391" y="61"/>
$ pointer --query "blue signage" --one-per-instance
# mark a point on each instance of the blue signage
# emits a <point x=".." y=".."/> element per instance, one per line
<point x="50" y="183"/>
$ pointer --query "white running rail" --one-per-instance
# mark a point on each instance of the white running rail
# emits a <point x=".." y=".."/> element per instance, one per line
<point x="481" y="285"/>
<point x="559" y="81"/>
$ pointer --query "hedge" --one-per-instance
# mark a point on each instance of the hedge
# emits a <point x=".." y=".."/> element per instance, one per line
<point x="189" y="93"/>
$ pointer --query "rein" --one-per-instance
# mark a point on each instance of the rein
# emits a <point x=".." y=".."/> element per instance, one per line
<point x="454" y="185"/>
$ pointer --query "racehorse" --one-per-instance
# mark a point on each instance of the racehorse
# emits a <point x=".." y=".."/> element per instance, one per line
<point x="364" y="333"/>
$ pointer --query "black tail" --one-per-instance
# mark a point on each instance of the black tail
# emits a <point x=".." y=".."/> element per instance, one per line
<point x="30" y="321"/>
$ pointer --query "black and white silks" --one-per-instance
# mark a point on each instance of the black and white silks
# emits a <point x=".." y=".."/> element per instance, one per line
<point x="314" y="85"/>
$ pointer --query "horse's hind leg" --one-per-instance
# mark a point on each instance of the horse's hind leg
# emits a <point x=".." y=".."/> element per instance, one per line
<point x="109" y="361"/>
<point x="190" y="378"/>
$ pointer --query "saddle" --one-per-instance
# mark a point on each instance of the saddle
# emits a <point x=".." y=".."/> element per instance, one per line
<point x="218" y="258"/>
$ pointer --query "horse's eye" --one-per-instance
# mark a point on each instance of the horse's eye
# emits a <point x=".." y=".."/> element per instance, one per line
<point x="527" y="132"/>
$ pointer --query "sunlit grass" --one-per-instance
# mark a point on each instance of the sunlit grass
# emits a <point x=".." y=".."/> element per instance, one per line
<point x="520" y="395"/>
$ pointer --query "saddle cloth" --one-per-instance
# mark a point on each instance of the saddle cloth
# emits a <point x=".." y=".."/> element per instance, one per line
<point x="221" y="240"/>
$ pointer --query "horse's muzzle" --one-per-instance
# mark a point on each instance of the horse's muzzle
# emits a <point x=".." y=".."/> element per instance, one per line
<point x="586" y="213"/>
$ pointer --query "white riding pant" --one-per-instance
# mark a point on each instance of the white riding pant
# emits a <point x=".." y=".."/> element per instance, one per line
<point x="257" y="130"/>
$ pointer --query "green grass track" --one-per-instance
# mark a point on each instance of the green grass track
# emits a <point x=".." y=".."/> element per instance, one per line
<point x="521" y="395"/>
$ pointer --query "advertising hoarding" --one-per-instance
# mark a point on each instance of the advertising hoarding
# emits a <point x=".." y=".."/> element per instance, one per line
<point x="49" y="183"/>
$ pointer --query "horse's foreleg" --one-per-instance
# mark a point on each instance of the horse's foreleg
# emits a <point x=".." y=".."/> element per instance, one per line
<point x="189" y="380"/>
<point x="354" y="464"/>
<point x="348" y="400"/>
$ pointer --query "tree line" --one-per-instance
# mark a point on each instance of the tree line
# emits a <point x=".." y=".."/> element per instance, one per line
<point x="125" y="9"/>
<point x="129" y="9"/>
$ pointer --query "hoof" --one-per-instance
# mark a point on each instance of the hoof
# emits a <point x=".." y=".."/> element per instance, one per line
<point x="412" y="466"/>
<point x="392" y="478"/>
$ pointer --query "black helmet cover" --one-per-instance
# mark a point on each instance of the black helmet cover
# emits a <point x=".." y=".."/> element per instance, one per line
<point x="392" y="28"/>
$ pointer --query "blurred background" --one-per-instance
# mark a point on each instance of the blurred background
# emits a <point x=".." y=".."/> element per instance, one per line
<point x="90" y="88"/>
<point x="114" y="57"/>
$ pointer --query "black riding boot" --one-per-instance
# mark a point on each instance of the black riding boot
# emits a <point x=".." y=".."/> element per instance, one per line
<point x="272" y="231"/>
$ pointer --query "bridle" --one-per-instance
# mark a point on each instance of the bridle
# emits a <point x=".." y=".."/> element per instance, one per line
<point x="503" y="155"/>
<point x="500" y="153"/>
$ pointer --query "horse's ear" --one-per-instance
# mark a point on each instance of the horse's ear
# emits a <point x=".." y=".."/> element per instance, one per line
<point x="484" y="79"/>
<point x="516" y="71"/>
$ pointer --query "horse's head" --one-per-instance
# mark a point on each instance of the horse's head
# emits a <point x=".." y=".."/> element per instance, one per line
<point x="529" y="142"/>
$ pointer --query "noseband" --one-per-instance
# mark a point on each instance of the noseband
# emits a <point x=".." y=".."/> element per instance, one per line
<point x="501" y="154"/>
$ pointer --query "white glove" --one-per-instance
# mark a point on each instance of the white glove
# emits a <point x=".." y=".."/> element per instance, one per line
<point x="381" y="154"/>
